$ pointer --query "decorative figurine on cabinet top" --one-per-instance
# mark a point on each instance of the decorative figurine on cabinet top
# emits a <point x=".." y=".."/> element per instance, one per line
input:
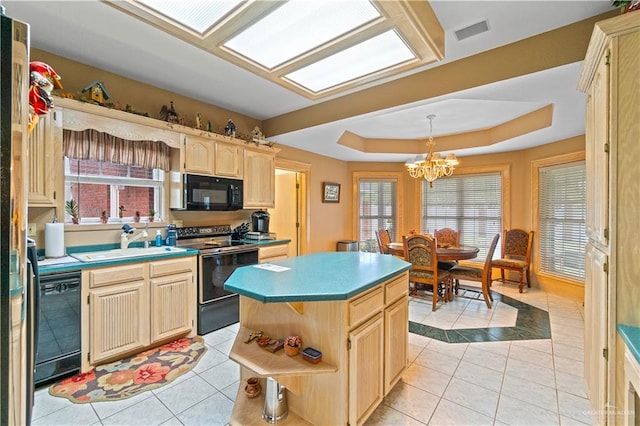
<point x="169" y="114"/>
<point x="42" y="80"/>
<point x="230" y="129"/>
<point x="97" y="92"/>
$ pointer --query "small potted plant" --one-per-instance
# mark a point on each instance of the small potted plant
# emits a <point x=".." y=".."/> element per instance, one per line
<point x="136" y="218"/>
<point x="121" y="211"/>
<point x="103" y="217"/>
<point x="292" y="345"/>
<point x="152" y="215"/>
<point x="71" y="207"/>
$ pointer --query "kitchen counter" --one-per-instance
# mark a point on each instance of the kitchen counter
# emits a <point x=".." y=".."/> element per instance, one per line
<point x="69" y="264"/>
<point x="315" y="277"/>
<point x="264" y="243"/>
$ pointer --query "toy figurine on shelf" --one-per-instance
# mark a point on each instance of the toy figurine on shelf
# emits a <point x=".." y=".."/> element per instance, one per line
<point x="42" y="80"/>
<point x="169" y="113"/>
<point x="230" y="129"/>
<point x="198" y="121"/>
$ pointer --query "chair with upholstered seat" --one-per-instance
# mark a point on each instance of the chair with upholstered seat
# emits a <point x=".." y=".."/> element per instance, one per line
<point x="447" y="237"/>
<point x="420" y="251"/>
<point x="482" y="275"/>
<point x="384" y="239"/>
<point x="516" y="256"/>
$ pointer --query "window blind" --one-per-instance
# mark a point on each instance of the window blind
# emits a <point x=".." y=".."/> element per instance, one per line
<point x="470" y="204"/>
<point x="377" y="210"/>
<point x="562" y="212"/>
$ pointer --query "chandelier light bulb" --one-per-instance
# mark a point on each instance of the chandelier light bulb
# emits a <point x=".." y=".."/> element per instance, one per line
<point x="431" y="166"/>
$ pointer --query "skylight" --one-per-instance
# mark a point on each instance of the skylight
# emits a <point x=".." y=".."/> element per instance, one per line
<point x="198" y="15"/>
<point x="315" y="48"/>
<point x="372" y="55"/>
<point x="299" y="26"/>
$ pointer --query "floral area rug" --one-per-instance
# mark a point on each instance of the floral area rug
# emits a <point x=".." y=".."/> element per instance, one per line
<point x="123" y="379"/>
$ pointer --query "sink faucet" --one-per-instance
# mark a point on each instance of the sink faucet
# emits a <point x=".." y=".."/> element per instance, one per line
<point x="127" y="236"/>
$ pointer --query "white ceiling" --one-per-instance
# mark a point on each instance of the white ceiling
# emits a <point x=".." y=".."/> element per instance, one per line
<point x="94" y="33"/>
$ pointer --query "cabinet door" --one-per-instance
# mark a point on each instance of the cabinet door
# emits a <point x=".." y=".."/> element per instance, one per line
<point x="171" y="298"/>
<point x="597" y="157"/>
<point x="198" y="156"/>
<point x="45" y="160"/>
<point x="396" y="340"/>
<point x="366" y="369"/>
<point x="118" y="320"/>
<point x="259" y="179"/>
<point x="228" y="160"/>
<point x="595" y="328"/>
<point x="271" y="253"/>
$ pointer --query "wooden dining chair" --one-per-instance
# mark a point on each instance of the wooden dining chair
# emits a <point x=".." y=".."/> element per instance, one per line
<point x="447" y="237"/>
<point x="482" y="275"/>
<point x="420" y="251"/>
<point x="383" y="237"/>
<point x="516" y="256"/>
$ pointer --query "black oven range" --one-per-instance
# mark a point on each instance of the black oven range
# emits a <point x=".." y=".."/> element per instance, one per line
<point x="218" y="257"/>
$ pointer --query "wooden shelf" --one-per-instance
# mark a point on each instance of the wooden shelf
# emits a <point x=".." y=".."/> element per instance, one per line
<point x="248" y="411"/>
<point x="265" y="363"/>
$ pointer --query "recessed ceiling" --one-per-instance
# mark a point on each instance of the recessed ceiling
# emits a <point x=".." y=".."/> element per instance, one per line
<point x="315" y="49"/>
<point x="82" y="31"/>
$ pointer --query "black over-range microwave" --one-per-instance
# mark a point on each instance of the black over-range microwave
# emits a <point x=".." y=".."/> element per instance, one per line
<point x="207" y="193"/>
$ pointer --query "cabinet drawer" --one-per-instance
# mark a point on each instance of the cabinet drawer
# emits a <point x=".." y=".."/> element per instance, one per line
<point x="119" y="274"/>
<point x="395" y="288"/>
<point x="273" y="251"/>
<point x="170" y="267"/>
<point x="365" y="306"/>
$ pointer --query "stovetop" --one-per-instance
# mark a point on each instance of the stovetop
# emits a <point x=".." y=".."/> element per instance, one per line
<point x="213" y="238"/>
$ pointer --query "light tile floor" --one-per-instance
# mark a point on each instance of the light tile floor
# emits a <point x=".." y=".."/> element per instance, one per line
<point x="511" y="382"/>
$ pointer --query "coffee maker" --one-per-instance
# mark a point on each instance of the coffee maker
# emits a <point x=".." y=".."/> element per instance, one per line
<point x="260" y="221"/>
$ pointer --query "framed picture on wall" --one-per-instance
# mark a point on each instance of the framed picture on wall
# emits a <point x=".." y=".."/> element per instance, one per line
<point x="330" y="192"/>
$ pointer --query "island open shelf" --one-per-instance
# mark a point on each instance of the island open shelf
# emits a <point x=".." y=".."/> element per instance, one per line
<point x="265" y="363"/>
<point x="353" y="307"/>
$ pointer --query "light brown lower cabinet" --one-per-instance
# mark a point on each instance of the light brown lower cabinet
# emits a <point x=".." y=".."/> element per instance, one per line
<point x="132" y="307"/>
<point x="363" y="341"/>
<point x="274" y="252"/>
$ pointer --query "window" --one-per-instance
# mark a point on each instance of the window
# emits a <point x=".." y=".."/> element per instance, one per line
<point x="561" y="219"/>
<point x="472" y="204"/>
<point x="377" y="209"/>
<point x="99" y="186"/>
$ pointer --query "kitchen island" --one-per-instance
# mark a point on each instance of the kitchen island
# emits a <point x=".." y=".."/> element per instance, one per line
<point x="351" y="306"/>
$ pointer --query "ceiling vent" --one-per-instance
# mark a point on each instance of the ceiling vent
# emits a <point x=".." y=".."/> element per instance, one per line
<point x="472" y="30"/>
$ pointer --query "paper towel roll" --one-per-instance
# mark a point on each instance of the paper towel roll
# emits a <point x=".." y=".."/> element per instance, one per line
<point x="54" y="239"/>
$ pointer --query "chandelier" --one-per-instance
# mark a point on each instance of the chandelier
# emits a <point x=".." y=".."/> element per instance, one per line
<point x="431" y="166"/>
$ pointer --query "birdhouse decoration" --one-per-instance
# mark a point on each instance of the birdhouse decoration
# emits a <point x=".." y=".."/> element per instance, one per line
<point x="42" y="80"/>
<point x="97" y="92"/>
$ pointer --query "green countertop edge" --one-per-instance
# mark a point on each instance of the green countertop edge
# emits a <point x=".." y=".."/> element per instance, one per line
<point x="318" y="297"/>
<point x="261" y="243"/>
<point x="78" y="266"/>
<point x="631" y="336"/>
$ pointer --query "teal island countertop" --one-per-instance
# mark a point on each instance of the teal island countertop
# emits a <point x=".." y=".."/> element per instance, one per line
<point x="631" y="337"/>
<point x="315" y="277"/>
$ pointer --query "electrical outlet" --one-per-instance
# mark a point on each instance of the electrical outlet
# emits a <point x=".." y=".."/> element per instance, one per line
<point x="31" y="230"/>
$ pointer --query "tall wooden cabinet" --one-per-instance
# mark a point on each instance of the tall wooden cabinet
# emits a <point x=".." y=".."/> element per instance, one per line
<point x="612" y="295"/>
<point x="45" y="152"/>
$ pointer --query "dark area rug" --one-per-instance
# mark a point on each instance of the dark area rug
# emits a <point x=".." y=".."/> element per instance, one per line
<point x="128" y="377"/>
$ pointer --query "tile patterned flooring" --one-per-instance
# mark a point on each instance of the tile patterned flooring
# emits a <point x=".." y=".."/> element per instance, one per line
<point x="519" y="363"/>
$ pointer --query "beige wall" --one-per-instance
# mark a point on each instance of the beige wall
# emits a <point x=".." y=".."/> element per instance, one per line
<point x="326" y="223"/>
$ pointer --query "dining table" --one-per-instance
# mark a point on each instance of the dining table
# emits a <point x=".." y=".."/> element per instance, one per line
<point x="445" y="253"/>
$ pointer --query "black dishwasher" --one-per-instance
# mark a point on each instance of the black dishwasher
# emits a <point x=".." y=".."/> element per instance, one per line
<point x="58" y="344"/>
